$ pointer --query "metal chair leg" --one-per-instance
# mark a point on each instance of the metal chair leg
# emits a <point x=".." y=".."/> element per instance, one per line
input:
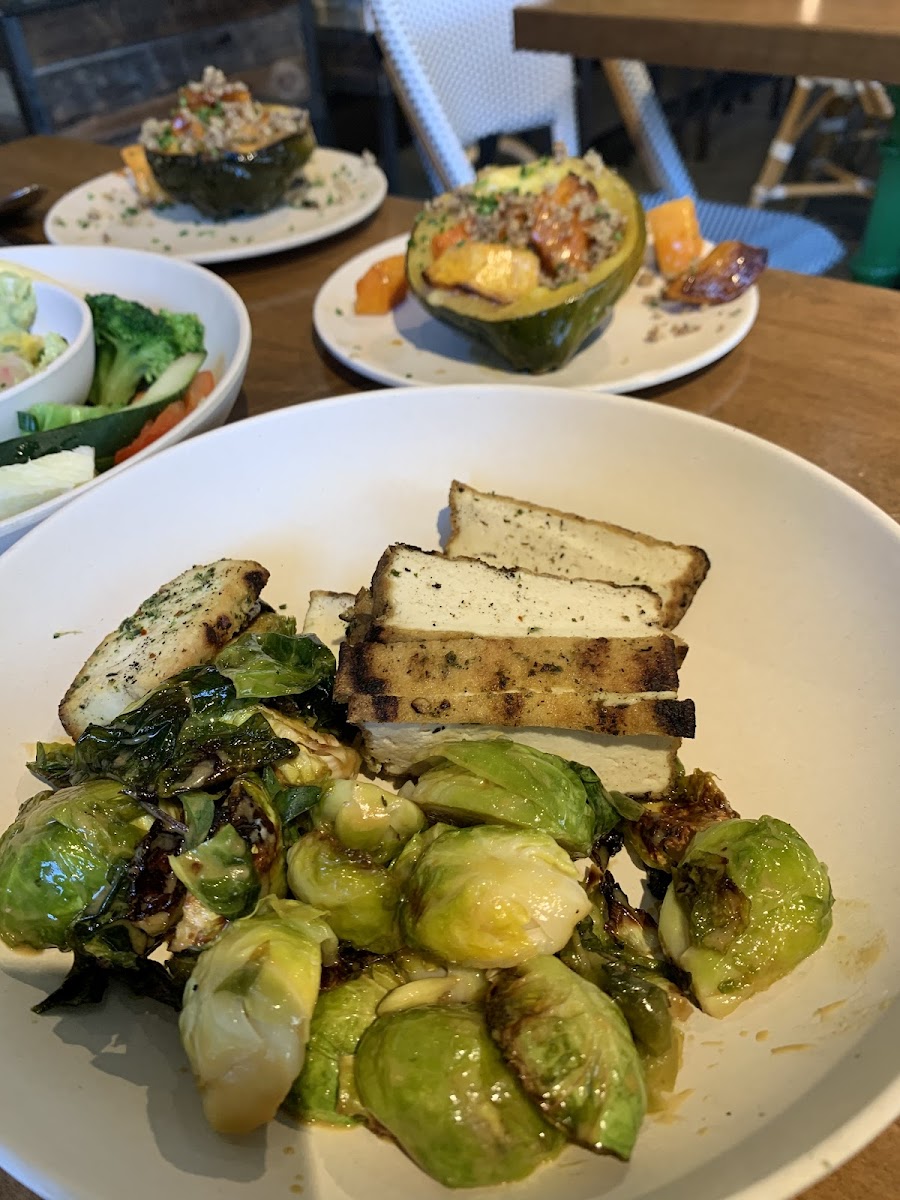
<point x="18" y="62"/>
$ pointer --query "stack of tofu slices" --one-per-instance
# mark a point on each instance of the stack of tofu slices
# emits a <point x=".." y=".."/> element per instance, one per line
<point x="536" y="625"/>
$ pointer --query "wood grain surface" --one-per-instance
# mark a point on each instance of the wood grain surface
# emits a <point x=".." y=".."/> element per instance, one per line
<point x="858" y="39"/>
<point x="817" y="375"/>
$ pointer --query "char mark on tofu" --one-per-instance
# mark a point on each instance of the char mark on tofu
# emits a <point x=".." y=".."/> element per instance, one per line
<point x="184" y="624"/>
<point x="668" y="719"/>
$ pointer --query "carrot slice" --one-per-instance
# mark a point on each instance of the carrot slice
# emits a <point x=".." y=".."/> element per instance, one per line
<point x="676" y="236"/>
<point x="382" y="287"/>
<point x="199" y="388"/>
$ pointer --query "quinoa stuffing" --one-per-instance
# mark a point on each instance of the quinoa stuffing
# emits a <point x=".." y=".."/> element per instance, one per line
<point x="566" y="224"/>
<point x="215" y="116"/>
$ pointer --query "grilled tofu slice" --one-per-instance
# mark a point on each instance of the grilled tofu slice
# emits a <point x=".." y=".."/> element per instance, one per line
<point x="438" y="667"/>
<point x="419" y="594"/>
<point x="612" y="714"/>
<point x="325" y="617"/>
<point x="182" y="625"/>
<point x="639" y="766"/>
<point x="514" y="533"/>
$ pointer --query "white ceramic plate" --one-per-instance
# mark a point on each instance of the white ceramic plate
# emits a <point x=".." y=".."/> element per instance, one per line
<point x="158" y="283"/>
<point x="793" y="669"/>
<point x="343" y="190"/>
<point x="639" y="348"/>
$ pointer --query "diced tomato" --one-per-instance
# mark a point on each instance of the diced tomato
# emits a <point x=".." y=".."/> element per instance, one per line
<point x="200" y="387"/>
<point x="459" y="232"/>
<point x="382" y="287"/>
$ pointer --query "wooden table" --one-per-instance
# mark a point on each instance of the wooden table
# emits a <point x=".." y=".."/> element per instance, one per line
<point x="817" y="374"/>
<point x="842" y="38"/>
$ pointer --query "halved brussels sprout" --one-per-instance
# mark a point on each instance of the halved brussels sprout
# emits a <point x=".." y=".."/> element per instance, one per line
<point x="571" y="1047"/>
<point x="60" y="854"/>
<point x="365" y="817"/>
<point x="435" y="1081"/>
<point x="247" y="1011"/>
<point x="747" y="904"/>
<point x="500" y="782"/>
<point x="342" y="1015"/>
<point x="359" y="898"/>
<point x="492" y="897"/>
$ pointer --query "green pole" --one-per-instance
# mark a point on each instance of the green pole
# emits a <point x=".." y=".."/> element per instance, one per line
<point x="878" y="259"/>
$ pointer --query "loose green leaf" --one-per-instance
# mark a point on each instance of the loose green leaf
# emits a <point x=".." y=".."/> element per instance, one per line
<point x="265" y="665"/>
<point x="199" y="810"/>
<point x="220" y="873"/>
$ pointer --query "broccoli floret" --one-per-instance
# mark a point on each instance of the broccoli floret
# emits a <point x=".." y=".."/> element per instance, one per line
<point x="186" y="329"/>
<point x="135" y="345"/>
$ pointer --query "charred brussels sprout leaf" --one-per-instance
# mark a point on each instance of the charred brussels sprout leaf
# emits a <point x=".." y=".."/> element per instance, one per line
<point x="247" y="1012"/>
<point x="342" y="1015"/>
<point x="264" y="665"/>
<point x="616" y="948"/>
<point x="747" y="904"/>
<point x="360" y="899"/>
<point x="659" y="836"/>
<point x="492" y="897"/>
<point x="573" y="1052"/>
<point x="435" y="1081"/>
<point x="364" y="817"/>
<point x="60" y="855"/>
<point x="501" y="782"/>
<point x="53" y="763"/>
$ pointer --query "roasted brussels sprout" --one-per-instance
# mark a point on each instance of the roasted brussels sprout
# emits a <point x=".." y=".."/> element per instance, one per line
<point x="496" y="781"/>
<point x="748" y="902"/>
<point x="359" y="898"/>
<point x="617" y="948"/>
<point x="247" y="1011"/>
<point x="60" y="854"/>
<point x="325" y="1090"/>
<point x="433" y="1078"/>
<point x="366" y="818"/>
<point x="492" y="897"/>
<point x="571" y="1047"/>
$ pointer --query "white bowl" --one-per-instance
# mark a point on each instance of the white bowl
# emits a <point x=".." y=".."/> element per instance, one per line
<point x="67" y="379"/>
<point x="793" y="667"/>
<point x="158" y="282"/>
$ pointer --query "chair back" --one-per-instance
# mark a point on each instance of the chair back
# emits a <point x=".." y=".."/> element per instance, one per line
<point x="634" y="93"/>
<point x="459" y="79"/>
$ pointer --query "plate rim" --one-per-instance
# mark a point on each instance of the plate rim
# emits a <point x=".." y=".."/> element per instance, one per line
<point x="236" y="253"/>
<point x="637" y="381"/>
<point x="873" y="1118"/>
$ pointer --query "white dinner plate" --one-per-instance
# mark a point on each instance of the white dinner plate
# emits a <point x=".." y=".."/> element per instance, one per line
<point x="793" y="668"/>
<point x="642" y="345"/>
<point x="342" y="190"/>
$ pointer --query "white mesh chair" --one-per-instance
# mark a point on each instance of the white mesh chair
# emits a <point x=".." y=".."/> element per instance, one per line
<point x="794" y="243"/>
<point x="458" y="79"/>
